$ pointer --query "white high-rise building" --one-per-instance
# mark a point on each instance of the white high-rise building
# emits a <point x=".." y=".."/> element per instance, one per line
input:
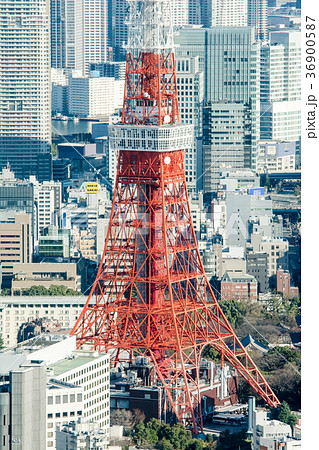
<point x="190" y="84"/>
<point x="228" y="13"/>
<point x="79" y="33"/>
<point x="220" y="13"/>
<point x="95" y="37"/>
<point x="280" y="88"/>
<point x="258" y="18"/>
<point x="25" y="91"/>
<point x="48" y="200"/>
<point x="95" y="97"/>
<point x="179" y="12"/>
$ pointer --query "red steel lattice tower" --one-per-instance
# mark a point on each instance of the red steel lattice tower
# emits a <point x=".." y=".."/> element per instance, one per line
<point x="151" y="296"/>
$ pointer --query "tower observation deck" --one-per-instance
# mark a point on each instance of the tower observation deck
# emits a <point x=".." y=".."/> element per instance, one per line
<point x="151" y="296"/>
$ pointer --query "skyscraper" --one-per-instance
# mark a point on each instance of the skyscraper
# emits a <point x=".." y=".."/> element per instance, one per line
<point x="226" y="135"/>
<point x="79" y="33"/>
<point x="258" y="18"/>
<point x="25" y="105"/>
<point x="67" y="34"/>
<point x="190" y="83"/>
<point x="95" y="32"/>
<point x="212" y="13"/>
<point x="230" y="60"/>
<point x="280" y="87"/>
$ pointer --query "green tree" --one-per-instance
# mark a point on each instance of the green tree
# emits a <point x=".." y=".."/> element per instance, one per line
<point x="210" y="353"/>
<point x="165" y="444"/>
<point x="195" y="444"/>
<point x="285" y="415"/>
<point x="234" y="311"/>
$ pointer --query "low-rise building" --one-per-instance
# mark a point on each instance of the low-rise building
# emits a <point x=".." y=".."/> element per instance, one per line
<point x="240" y="287"/>
<point x="95" y="96"/>
<point x="271" y="434"/>
<point x="16" y="310"/>
<point x="55" y="244"/>
<point x="232" y="180"/>
<point x="257" y="266"/>
<point x="81" y="434"/>
<point x="276" y="249"/>
<point x="45" y="274"/>
<point x="284" y="284"/>
<point x="276" y="157"/>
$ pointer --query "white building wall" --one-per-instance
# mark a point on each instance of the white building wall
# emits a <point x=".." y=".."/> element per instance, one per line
<point x="95" y="97"/>
<point x="16" y="310"/>
<point x="94" y="377"/>
<point x="229" y="13"/>
<point x="64" y="404"/>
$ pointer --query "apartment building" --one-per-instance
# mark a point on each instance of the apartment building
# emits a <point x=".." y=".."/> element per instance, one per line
<point x="25" y="106"/>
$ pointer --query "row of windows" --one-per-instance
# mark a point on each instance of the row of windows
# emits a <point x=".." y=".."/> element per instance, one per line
<point x="65" y="399"/>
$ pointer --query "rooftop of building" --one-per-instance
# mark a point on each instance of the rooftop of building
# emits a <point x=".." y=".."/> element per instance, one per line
<point x="42" y="300"/>
<point x="238" y="278"/>
<point x="71" y="363"/>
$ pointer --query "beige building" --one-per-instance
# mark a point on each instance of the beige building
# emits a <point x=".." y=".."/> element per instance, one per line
<point x="15" y="240"/>
<point x="45" y="274"/>
<point x="87" y="246"/>
<point x="16" y="310"/>
<point x="276" y="249"/>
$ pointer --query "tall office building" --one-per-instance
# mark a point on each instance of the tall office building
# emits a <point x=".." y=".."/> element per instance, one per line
<point x="280" y="87"/>
<point x="25" y="97"/>
<point x="95" y="32"/>
<point x="226" y="141"/>
<point x="67" y="34"/>
<point x="258" y="18"/>
<point x="224" y="13"/>
<point x="229" y="57"/>
<point x="194" y="12"/>
<point x="230" y="60"/>
<point x="79" y="33"/>
<point x="190" y="84"/>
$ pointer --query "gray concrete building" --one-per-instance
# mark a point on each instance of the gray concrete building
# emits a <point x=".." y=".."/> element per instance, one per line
<point x="226" y="141"/>
<point x="240" y="208"/>
<point x="257" y="265"/>
<point x="23" y="408"/>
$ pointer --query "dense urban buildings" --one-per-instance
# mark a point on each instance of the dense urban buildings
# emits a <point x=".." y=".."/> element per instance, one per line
<point x="238" y="77"/>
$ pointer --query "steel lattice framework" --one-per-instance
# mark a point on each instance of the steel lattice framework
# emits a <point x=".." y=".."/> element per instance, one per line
<point x="151" y="296"/>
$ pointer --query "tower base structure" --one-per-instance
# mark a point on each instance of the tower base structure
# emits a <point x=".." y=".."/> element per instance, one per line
<point x="151" y="296"/>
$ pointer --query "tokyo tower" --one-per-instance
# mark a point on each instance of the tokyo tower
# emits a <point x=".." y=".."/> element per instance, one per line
<point x="151" y="296"/>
